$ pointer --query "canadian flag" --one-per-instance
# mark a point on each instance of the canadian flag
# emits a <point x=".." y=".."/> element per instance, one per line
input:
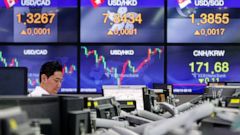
<point x="184" y="3"/>
<point x="10" y="3"/>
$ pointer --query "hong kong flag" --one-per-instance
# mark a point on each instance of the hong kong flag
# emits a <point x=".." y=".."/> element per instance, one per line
<point x="183" y="3"/>
<point x="10" y="3"/>
<point x="97" y="3"/>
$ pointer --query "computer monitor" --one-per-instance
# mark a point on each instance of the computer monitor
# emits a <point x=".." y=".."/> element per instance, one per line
<point x="69" y="103"/>
<point x="37" y="107"/>
<point x="79" y="122"/>
<point x="106" y="107"/>
<point x="13" y="81"/>
<point x="125" y="92"/>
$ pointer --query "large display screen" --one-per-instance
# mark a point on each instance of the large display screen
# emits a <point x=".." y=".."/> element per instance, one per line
<point x="120" y="65"/>
<point x="203" y="21"/>
<point x="33" y="57"/>
<point x="38" y="20"/>
<point x="190" y="68"/>
<point x="122" y="21"/>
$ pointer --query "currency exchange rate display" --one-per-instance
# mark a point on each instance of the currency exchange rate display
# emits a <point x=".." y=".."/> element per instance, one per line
<point x="34" y="56"/>
<point x="122" y="21"/>
<point x="120" y="65"/>
<point x="190" y="68"/>
<point x="203" y="21"/>
<point x="38" y="20"/>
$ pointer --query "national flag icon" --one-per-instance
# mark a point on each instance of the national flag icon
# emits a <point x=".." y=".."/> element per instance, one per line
<point x="10" y="3"/>
<point x="183" y="3"/>
<point x="97" y="3"/>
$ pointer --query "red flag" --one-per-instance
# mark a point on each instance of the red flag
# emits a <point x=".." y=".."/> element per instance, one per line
<point x="97" y="3"/>
<point x="10" y="3"/>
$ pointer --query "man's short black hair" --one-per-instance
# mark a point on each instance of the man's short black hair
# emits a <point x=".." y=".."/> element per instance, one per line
<point x="49" y="68"/>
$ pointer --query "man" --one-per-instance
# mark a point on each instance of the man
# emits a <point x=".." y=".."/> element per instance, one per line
<point x="50" y="77"/>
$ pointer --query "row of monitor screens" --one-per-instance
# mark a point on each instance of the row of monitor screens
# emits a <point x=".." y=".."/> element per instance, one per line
<point x="187" y="68"/>
<point x="114" y="21"/>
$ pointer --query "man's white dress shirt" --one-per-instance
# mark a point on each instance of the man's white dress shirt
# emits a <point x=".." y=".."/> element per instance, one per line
<point x="38" y="92"/>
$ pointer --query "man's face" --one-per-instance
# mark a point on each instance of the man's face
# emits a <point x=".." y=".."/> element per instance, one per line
<point x="54" y="82"/>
